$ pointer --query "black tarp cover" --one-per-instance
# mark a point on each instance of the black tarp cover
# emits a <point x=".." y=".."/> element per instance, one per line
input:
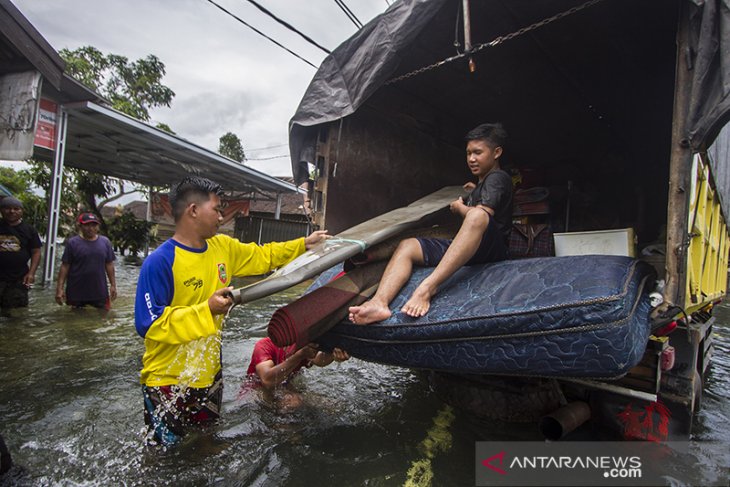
<point x="710" y="64"/>
<point x="360" y="66"/>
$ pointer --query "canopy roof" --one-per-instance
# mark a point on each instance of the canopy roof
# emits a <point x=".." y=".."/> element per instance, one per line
<point x="105" y="141"/>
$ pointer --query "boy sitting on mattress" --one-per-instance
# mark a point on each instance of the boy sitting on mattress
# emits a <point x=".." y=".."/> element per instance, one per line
<point x="272" y="366"/>
<point x="482" y="237"/>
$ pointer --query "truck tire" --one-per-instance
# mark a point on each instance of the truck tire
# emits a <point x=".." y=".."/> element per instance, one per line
<point x="515" y="400"/>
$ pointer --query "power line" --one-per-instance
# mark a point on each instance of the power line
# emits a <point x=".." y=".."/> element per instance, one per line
<point x="270" y="147"/>
<point x="348" y="12"/>
<point x="288" y="26"/>
<point x="261" y="33"/>
<point x="266" y="158"/>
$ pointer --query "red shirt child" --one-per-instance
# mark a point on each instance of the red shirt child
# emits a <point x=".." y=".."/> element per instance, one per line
<point x="274" y="365"/>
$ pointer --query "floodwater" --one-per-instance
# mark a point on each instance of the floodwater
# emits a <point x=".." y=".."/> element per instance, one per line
<point x="71" y="412"/>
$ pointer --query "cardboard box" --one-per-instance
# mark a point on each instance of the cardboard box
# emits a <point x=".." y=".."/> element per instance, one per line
<point x="604" y="242"/>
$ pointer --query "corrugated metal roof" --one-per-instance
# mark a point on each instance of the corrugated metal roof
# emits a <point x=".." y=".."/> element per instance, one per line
<point x="103" y="140"/>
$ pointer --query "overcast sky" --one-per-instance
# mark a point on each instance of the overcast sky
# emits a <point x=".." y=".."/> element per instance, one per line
<point x="224" y="75"/>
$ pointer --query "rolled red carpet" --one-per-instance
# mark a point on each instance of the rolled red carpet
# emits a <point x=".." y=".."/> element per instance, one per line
<point x="305" y="319"/>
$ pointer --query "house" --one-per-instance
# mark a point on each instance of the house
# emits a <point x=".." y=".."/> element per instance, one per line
<point x="261" y="225"/>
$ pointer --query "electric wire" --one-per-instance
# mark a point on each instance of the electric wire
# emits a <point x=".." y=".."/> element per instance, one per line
<point x="266" y="158"/>
<point x="261" y="33"/>
<point x="288" y="26"/>
<point x="269" y="147"/>
<point x="348" y="12"/>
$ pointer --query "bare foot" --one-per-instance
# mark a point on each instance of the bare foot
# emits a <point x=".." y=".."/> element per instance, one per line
<point x="418" y="304"/>
<point x="369" y="312"/>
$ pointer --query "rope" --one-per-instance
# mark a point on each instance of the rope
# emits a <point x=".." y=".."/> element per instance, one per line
<point x="335" y="240"/>
<point x="233" y="305"/>
<point x="495" y="42"/>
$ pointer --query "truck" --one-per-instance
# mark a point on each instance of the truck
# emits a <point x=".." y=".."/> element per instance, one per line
<point x="618" y="108"/>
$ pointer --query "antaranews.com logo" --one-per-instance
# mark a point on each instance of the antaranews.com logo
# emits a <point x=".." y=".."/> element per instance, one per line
<point x="611" y="466"/>
<point x="621" y="463"/>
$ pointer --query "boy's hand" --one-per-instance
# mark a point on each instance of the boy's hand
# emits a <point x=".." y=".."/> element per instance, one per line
<point x="316" y="237"/>
<point x="308" y="352"/>
<point x="221" y="301"/>
<point x="469" y="186"/>
<point x="340" y="355"/>
<point x="457" y="206"/>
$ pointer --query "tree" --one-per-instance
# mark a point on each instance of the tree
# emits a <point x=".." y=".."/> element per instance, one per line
<point x="131" y="87"/>
<point x="16" y="181"/>
<point x="229" y="145"/>
<point x="165" y="127"/>
<point x="22" y="184"/>
<point x="129" y="234"/>
<point x="39" y="173"/>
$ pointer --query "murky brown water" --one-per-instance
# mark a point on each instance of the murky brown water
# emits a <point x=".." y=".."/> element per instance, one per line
<point x="71" y="411"/>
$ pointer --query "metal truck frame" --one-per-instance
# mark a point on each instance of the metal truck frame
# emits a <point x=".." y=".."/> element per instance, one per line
<point x="389" y="105"/>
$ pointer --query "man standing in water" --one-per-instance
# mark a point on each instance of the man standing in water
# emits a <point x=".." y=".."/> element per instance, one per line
<point x="482" y="237"/>
<point x="87" y="262"/>
<point x="19" y="243"/>
<point x="183" y="293"/>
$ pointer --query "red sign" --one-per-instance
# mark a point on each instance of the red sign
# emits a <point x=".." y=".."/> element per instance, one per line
<point x="45" y="132"/>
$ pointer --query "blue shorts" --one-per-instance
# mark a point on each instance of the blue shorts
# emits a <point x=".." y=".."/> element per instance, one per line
<point x="491" y="249"/>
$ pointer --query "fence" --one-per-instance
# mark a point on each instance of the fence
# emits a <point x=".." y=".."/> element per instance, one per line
<point x="259" y="229"/>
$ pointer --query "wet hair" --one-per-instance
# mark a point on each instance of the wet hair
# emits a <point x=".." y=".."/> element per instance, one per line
<point x="493" y="134"/>
<point x="191" y="190"/>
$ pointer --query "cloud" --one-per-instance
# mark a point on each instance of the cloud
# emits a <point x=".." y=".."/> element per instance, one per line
<point x="225" y="76"/>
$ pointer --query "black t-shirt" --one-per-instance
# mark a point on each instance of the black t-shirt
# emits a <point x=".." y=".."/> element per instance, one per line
<point x="495" y="192"/>
<point x="16" y="243"/>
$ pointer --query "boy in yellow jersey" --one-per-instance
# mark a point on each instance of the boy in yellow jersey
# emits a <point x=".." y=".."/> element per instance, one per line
<point x="182" y="296"/>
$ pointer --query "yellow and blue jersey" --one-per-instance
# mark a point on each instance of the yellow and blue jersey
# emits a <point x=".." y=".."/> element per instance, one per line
<point x="182" y="337"/>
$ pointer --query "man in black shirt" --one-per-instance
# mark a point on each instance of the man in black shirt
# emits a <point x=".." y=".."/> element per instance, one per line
<point x="19" y="243"/>
<point x="482" y="238"/>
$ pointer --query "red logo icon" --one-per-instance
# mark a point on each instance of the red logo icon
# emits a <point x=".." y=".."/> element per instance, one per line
<point x="488" y="463"/>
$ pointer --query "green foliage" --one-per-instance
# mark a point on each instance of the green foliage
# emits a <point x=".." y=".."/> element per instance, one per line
<point x="35" y="211"/>
<point x="40" y="174"/>
<point x="86" y="64"/>
<point x="91" y="185"/>
<point x="165" y="127"/>
<point x="129" y="234"/>
<point x="131" y="87"/>
<point x="229" y="145"/>
<point x="35" y="208"/>
<point x="15" y="181"/>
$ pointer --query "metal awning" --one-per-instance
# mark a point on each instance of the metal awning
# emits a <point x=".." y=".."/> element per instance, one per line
<point x="92" y="136"/>
<point x="103" y="140"/>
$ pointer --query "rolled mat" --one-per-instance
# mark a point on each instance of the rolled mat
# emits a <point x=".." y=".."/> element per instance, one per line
<point x="305" y="319"/>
